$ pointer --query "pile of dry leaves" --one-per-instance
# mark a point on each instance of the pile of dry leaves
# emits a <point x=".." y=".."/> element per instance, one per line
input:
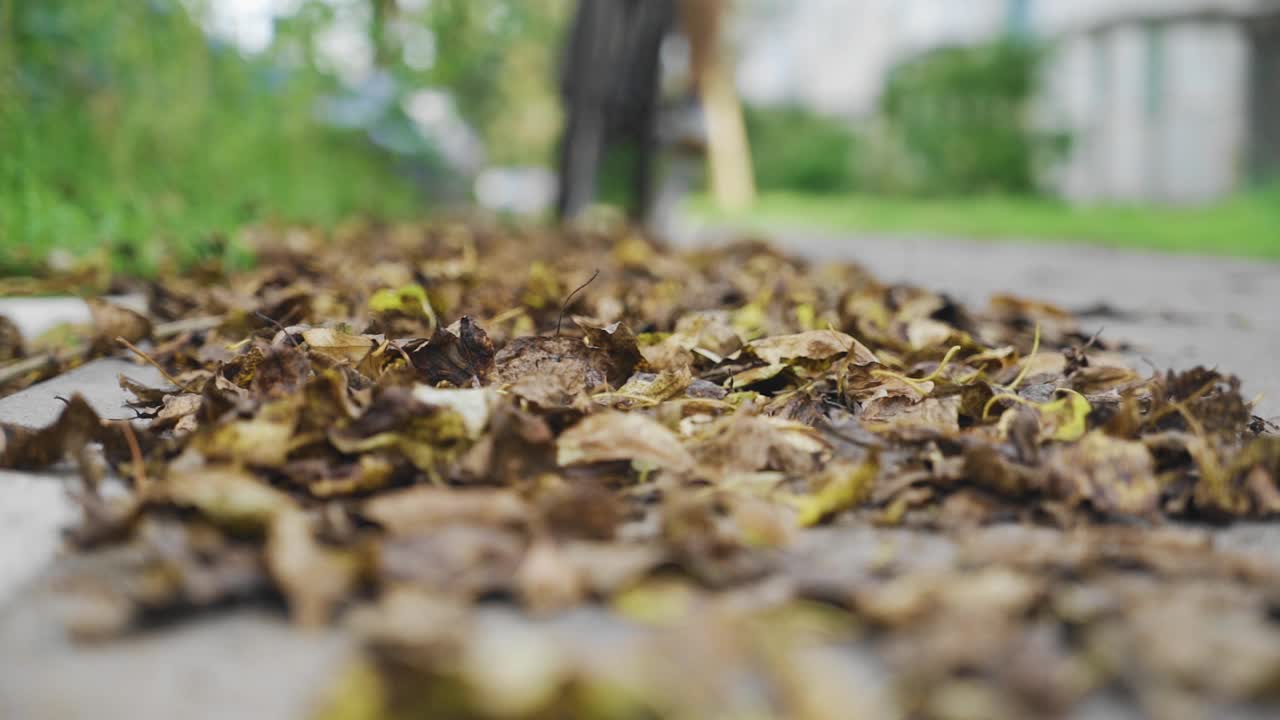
<point x="539" y="498"/>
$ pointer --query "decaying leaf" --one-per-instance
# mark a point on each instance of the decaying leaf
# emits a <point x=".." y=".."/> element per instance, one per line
<point x="812" y="345"/>
<point x="611" y="436"/>
<point x="459" y="356"/>
<point x="314" y="578"/>
<point x="555" y="371"/>
<point x="425" y="508"/>
<point x="547" y="579"/>
<point x="403" y="309"/>
<point x="744" y="443"/>
<point x="337" y="345"/>
<point x="473" y="406"/>
<point x="12" y="345"/>
<point x="262" y="441"/>
<point x="1116" y="477"/>
<point x="930" y="414"/>
<point x="112" y="321"/>
<point x="72" y="437"/>
<point x="227" y="496"/>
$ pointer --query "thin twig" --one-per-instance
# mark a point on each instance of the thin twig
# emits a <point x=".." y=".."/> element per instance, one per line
<point x="177" y="327"/>
<point x="835" y="432"/>
<point x="36" y="363"/>
<point x="569" y="299"/>
<point x="21" y="368"/>
<point x="296" y="343"/>
<point x="1026" y="364"/>
<point x="151" y="361"/>
<point x="135" y="458"/>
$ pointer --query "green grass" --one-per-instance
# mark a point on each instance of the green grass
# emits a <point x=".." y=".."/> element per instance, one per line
<point x="1246" y="226"/>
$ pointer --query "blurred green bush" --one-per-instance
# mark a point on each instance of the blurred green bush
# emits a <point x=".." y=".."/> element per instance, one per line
<point x="127" y="130"/>
<point x="956" y="121"/>
<point x="121" y="122"/>
<point x="796" y="150"/>
<point x="952" y="122"/>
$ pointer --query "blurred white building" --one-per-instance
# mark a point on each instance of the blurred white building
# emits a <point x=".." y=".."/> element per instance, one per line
<point x="1174" y="101"/>
<point x="834" y="55"/>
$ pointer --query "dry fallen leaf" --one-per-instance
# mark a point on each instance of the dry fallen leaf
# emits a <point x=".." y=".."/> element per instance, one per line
<point x="813" y="345"/>
<point x="610" y="436"/>
<point x="819" y="492"/>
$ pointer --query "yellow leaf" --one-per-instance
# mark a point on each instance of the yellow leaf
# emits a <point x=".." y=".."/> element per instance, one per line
<point x="612" y="436"/>
<point x="1067" y="415"/>
<point x="228" y="496"/>
<point x="846" y="487"/>
<point x="661" y="601"/>
<point x="408" y="300"/>
<point x="337" y="345"/>
<point x="811" y="345"/>
<point x="358" y="693"/>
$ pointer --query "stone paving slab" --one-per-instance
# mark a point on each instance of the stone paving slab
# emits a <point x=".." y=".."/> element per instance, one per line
<point x="33" y="511"/>
<point x="244" y="665"/>
<point x="241" y="664"/>
<point x="35" y="507"/>
<point x="35" y="315"/>
<point x="97" y="381"/>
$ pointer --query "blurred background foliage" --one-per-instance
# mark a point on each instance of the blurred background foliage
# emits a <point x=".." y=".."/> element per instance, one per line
<point x="961" y="119"/>
<point x="796" y="150"/>
<point x="144" y="132"/>
<point x="953" y="122"/>
<point x="129" y="130"/>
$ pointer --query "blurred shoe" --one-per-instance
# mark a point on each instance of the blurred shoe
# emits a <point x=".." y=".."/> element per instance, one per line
<point x="683" y="127"/>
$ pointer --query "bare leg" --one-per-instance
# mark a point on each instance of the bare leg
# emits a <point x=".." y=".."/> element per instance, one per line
<point x="700" y="20"/>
